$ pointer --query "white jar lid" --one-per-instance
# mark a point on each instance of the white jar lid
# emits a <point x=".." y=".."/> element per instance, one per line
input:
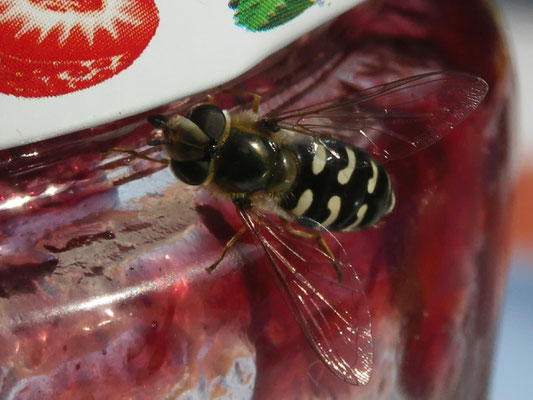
<point x="67" y="66"/>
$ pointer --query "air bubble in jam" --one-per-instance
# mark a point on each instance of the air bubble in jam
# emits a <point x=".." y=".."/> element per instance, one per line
<point x="123" y="235"/>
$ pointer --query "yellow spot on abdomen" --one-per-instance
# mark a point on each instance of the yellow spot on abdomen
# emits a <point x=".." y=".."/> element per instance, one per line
<point x="319" y="160"/>
<point x="304" y="202"/>
<point x="345" y="174"/>
<point x="360" y="215"/>
<point x="372" y="181"/>
<point x="334" y="206"/>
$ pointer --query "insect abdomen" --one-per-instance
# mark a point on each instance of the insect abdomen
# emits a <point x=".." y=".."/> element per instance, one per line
<point x="338" y="185"/>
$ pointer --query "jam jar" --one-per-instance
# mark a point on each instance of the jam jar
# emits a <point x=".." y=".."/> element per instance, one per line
<point x="104" y="292"/>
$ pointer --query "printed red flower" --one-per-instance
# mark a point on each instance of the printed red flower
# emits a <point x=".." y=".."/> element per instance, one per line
<point x="54" y="47"/>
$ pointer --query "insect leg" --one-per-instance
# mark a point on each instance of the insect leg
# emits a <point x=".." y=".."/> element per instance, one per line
<point x="136" y="154"/>
<point x="228" y="245"/>
<point x="257" y="97"/>
<point x="322" y="243"/>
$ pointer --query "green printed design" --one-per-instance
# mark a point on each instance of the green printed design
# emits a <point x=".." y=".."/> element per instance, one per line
<point x="262" y="15"/>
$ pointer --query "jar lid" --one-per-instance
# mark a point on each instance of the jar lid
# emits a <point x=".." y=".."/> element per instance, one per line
<point x="72" y="65"/>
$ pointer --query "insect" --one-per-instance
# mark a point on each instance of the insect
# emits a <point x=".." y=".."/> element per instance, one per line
<point x="320" y="168"/>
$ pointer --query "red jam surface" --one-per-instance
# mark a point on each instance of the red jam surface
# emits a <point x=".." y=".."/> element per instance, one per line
<point x="103" y="292"/>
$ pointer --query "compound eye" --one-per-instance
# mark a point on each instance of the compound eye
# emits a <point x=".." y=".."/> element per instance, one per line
<point x="190" y="172"/>
<point x="209" y="118"/>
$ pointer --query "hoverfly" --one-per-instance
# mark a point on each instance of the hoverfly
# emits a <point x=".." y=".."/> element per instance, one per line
<point x="318" y="167"/>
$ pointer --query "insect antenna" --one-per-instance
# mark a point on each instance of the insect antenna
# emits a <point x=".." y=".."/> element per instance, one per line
<point x="158" y="121"/>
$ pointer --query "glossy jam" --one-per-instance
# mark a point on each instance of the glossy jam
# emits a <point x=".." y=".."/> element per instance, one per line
<point x="103" y="293"/>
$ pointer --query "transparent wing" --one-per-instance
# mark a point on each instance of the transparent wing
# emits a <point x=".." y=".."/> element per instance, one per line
<point x="333" y="316"/>
<point x="392" y="120"/>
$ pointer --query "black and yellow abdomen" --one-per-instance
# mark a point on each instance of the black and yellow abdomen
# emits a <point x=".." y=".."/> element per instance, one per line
<point x="337" y="185"/>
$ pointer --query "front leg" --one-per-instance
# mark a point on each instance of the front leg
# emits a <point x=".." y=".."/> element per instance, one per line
<point x="242" y="203"/>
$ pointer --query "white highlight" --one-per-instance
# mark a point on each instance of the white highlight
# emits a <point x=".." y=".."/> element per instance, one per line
<point x="345" y="174"/>
<point x="372" y="181"/>
<point x="304" y="202"/>
<point x="15" y="202"/>
<point x="51" y="190"/>
<point x="334" y="206"/>
<point x="360" y="215"/>
<point x="319" y="160"/>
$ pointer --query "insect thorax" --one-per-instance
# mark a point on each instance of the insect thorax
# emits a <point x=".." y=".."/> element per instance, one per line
<point x="244" y="162"/>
